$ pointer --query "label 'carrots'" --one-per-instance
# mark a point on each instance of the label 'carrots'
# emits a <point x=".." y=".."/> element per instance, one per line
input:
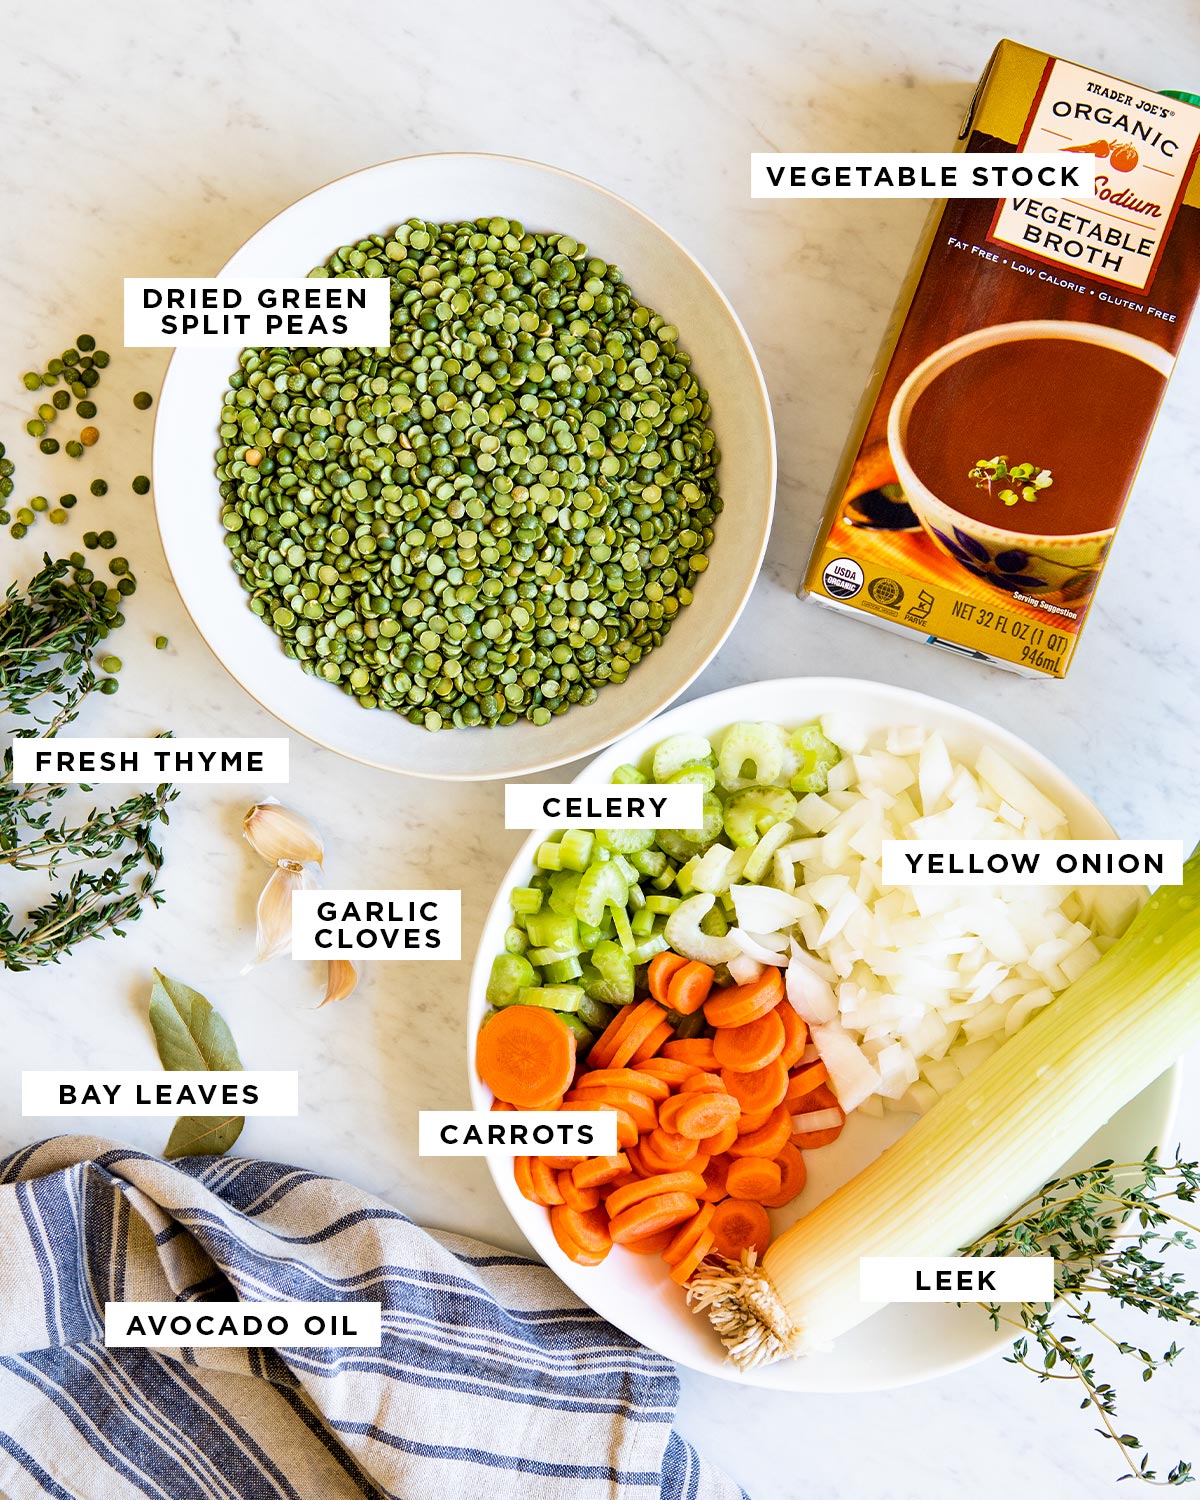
<point x="525" y="1055"/>
<point x="738" y="1226"/>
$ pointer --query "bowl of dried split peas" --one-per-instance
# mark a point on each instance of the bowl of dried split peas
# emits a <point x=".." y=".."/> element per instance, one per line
<point x="704" y="1163"/>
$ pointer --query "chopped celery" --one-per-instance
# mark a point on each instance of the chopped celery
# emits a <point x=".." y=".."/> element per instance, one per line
<point x="562" y="970"/>
<point x="678" y="751"/>
<point x="759" y="745"/>
<point x="694" y="773"/>
<point x="578" y="1027"/>
<point x="661" y="905"/>
<point x="540" y="957"/>
<point x="614" y="970"/>
<point x="636" y="899"/>
<point x="524" y="899"/>
<point x="646" y="949"/>
<point x="691" y="1026"/>
<point x="642" y="922"/>
<point x="758" y="858"/>
<point x="625" y="868"/>
<point x="589" y="936"/>
<point x="549" y="855"/>
<point x="627" y="775"/>
<point x="713" y="923"/>
<point x="600" y="886"/>
<point x="515" y="940"/>
<point x="683" y="876"/>
<point x="752" y="811"/>
<point x="676" y="843"/>
<point x="547" y="929"/>
<point x="510" y="974"/>
<point x="539" y="881"/>
<point x="552" y="996"/>
<point x="625" y="840"/>
<point x="593" y="1012"/>
<point x="564" y="887"/>
<point x="712" y="872"/>
<point x="624" y="930"/>
<point x="575" y="850"/>
<point x="650" y="862"/>
<point x="666" y="880"/>
<point x="815" y="755"/>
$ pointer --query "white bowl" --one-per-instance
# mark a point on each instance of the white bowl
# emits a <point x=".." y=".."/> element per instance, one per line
<point x="900" y="1344"/>
<point x="662" y="274"/>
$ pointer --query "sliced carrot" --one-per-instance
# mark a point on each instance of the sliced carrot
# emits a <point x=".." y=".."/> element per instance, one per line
<point x="618" y="1182"/>
<point x="703" y="1083"/>
<point x="667" y="1112"/>
<point x="658" y="975"/>
<point x="755" y="1178"/>
<point x="646" y="1018"/>
<point x="704" y="1114"/>
<point x="767" y="1140"/>
<point x="738" y="1226"/>
<point x="649" y="1048"/>
<point x="596" y="1171"/>
<point x="672" y="1072"/>
<point x="545" y="1181"/>
<point x="637" y="1106"/>
<point x="637" y="1163"/>
<point x="753" y="1119"/>
<point x="606" y="1043"/>
<point x="822" y="1098"/>
<point x="743" y="1003"/>
<point x="795" y="1034"/>
<point x="652" y="1216"/>
<point x="666" y="1145"/>
<point x="688" y="1234"/>
<point x="627" y="1131"/>
<point x="793" y="1175"/>
<point x="525" y="1054"/>
<point x="524" y="1180"/>
<point x="804" y="1080"/>
<point x="501" y="1104"/>
<point x="697" y="1050"/>
<point x="562" y="1163"/>
<point x="751" y="1046"/>
<point x="653" y="1187"/>
<point x="683" y="1270"/>
<point x="624" y="1078"/>
<point x="689" y="987"/>
<point x="580" y="1199"/>
<point x="762" y="1089"/>
<point x="651" y="1244"/>
<point x="587" y="1230"/>
<point x="717" y="1145"/>
<point x="542" y="1106"/>
<point x="714" y="1179"/>
<point x="576" y="1252"/>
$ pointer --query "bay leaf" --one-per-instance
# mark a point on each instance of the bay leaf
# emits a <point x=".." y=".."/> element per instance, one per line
<point x="202" y="1135"/>
<point x="193" y="1037"/>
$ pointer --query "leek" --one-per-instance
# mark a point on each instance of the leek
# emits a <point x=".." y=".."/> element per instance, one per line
<point x="984" y="1147"/>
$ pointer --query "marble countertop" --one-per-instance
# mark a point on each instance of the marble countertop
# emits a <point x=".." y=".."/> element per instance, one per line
<point x="147" y="142"/>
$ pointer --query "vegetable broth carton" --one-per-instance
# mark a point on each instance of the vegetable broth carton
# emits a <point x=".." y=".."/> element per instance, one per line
<point x="996" y="446"/>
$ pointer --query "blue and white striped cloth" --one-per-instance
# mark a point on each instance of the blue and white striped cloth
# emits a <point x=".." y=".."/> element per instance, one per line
<point x="492" y="1380"/>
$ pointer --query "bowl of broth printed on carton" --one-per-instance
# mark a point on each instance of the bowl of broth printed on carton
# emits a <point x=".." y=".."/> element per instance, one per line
<point x="1022" y="369"/>
<point x="1011" y="448"/>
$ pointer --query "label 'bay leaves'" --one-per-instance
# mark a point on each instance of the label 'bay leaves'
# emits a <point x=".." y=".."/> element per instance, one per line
<point x="193" y="1037"/>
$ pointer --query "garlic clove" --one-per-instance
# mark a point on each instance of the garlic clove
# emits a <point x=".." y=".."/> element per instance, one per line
<point x="274" y="935"/>
<point x="343" y="977"/>
<point x="279" y="833"/>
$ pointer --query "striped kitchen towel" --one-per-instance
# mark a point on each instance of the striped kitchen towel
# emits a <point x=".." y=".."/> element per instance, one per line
<point x="492" y="1379"/>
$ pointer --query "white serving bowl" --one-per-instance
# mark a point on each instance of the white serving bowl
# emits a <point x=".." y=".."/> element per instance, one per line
<point x="663" y="275"/>
<point x="902" y="1343"/>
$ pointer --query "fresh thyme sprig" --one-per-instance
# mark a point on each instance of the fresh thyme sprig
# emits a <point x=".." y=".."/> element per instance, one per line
<point x="48" y="633"/>
<point x="1108" y="1228"/>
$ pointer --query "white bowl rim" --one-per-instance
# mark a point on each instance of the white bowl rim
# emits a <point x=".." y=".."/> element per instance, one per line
<point x="771" y="690"/>
<point x="603" y="740"/>
<point x="922" y="377"/>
